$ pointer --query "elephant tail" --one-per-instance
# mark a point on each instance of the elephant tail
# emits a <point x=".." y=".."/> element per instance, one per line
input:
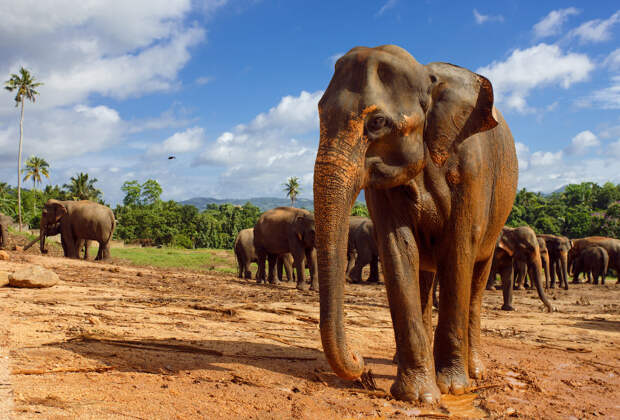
<point x="112" y="229"/>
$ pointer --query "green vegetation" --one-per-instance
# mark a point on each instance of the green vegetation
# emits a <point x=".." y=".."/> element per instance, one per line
<point x="199" y="259"/>
<point x="291" y="188"/>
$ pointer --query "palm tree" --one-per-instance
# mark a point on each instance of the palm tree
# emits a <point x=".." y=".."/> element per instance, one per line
<point x="82" y="188"/>
<point x="35" y="167"/>
<point x="291" y="188"/>
<point x="24" y="83"/>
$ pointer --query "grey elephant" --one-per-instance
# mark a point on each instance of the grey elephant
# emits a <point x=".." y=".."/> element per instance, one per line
<point x="362" y="250"/>
<point x="286" y="230"/>
<point x="53" y="230"/>
<point x="558" y="247"/>
<point x="78" y="221"/>
<point x="520" y="268"/>
<point x="517" y="244"/>
<point x="5" y="222"/>
<point x="246" y="254"/>
<point x="594" y="261"/>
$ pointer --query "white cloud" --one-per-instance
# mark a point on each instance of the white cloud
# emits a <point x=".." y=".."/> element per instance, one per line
<point x="203" y="80"/>
<point x="260" y="155"/>
<point x="480" y="18"/>
<point x="597" y="30"/>
<point x="583" y="141"/>
<point x="387" y="6"/>
<point x="181" y="142"/>
<point x="614" y="149"/>
<point x="552" y="23"/>
<point x="606" y="98"/>
<point x="613" y="60"/>
<point x="534" y="67"/>
<point x="545" y="158"/>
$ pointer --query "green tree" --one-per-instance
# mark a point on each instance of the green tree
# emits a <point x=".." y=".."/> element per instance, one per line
<point x="83" y="188"/>
<point x="35" y="167"/>
<point x="291" y="188"/>
<point x="360" y="209"/>
<point x="132" y="190"/>
<point x="151" y="191"/>
<point x="25" y="85"/>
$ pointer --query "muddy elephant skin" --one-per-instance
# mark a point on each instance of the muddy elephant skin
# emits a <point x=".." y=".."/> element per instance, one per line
<point x="517" y="247"/>
<point x="286" y="230"/>
<point x="5" y="222"/>
<point x="246" y="254"/>
<point x="438" y="166"/>
<point x="362" y="250"/>
<point x="592" y="260"/>
<point x="78" y="221"/>
<point x="558" y="247"/>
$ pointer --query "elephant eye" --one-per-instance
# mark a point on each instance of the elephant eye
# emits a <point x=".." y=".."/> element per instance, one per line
<point x="376" y="123"/>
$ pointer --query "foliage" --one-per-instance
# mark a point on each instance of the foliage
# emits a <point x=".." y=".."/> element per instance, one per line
<point x="81" y="187"/>
<point x="291" y="188"/>
<point x="360" y="209"/>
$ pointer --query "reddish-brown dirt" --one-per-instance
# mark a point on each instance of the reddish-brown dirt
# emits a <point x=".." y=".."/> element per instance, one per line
<point x="113" y="341"/>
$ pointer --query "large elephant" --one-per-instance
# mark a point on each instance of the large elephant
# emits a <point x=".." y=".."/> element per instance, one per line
<point x="438" y="166"/>
<point x="592" y="261"/>
<point x="558" y="247"/>
<point x="78" y="221"/>
<point x="246" y="254"/>
<point x="282" y="230"/>
<point x="611" y="245"/>
<point x="517" y="246"/>
<point x="362" y="250"/>
<point x="5" y="222"/>
<point x="53" y="230"/>
<point x="521" y="269"/>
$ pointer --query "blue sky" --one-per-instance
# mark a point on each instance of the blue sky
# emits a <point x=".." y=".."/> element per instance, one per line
<point x="230" y="87"/>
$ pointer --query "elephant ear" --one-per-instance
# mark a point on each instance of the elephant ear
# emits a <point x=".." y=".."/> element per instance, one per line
<point x="58" y="210"/>
<point x="504" y="243"/>
<point x="461" y="105"/>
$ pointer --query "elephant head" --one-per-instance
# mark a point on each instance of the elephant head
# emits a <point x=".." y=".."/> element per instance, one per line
<point x="304" y="230"/>
<point x="383" y="118"/>
<point x="522" y="244"/>
<point x="52" y="213"/>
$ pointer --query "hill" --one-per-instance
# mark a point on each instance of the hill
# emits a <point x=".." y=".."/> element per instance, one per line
<point x="263" y="203"/>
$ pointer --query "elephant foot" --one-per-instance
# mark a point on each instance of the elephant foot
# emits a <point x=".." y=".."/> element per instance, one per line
<point x="314" y="286"/>
<point x="302" y="286"/>
<point x="552" y="286"/>
<point x="498" y="287"/>
<point x="416" y="386"/>
<point x="476" y="366"/>
<point x="506" y="307"/>
<point x="517" y="288"/>
<point x="274" y="282"/>
<point x="452" y="380"/>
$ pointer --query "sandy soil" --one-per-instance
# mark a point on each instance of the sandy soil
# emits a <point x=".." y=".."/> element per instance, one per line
<point x="120" y="342"/>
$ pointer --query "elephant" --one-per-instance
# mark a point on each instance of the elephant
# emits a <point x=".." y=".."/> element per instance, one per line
<point x="286" y="230"/>
<point x="517" y="246"/>
<point x="5" y="222"/>
<point x="558" y="247"/>
<point x="438" y="166"/>
<point x="246" y="254"/>
<point x="53" y="230"/>
<point x="593" y="260"/>
<point x="78" y="221"/>
<point x="520" y="267"/>
<point x="362" y="250"/>
<point x="611" y="245"/>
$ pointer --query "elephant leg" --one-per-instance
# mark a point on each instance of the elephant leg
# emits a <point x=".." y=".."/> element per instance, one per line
<point x="481" y="274"/>
<point x="356" y="272"/>
<point x="271" y="258"/>
<point x="491" y="281"/>
<point x="240" y="266"/>
<point x="451" y="335"/>
<point x="311" y="259"/>
<point x="86" y="246"/>
<point x="279" y="267"/>
<point x="507" y="275"/>
<point x="71" y="244"/>
<point x="260" y="274"/>
<point x="374" y="270"/>
<point x="288" y="268"/>
<point x="351" y="258"/>
<point x="553" y="269"/>
<point x="435" y="288"/>
<point x="247" y="272"/>
<point x="105" y="250"/>
<point x="427" y="280"/>
<point x="299" y="261"/>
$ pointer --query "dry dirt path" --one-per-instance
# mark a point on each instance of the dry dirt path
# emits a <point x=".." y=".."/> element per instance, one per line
<point x="119" y="342"/>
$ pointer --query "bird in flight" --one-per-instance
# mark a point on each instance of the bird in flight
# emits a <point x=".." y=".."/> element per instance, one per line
<point x="171" y="157"/>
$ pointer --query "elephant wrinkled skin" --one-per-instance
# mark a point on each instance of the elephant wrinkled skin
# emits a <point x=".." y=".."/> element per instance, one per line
<point x="438" y="166"/>
<point x="78" y="221"/>
<point x="5" y="222"/>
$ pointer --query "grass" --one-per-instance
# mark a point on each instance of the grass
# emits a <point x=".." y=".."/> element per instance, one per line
<point x="193" y="259"/>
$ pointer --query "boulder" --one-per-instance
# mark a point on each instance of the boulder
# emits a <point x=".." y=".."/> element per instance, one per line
<point x="4" y="256"/>
<point x="4" y="278"/>
<point x="33" y="276"/>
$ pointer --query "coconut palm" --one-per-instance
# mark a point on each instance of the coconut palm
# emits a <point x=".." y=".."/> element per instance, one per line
<point x="291" y="188"/>
<point x="35" y="167"/>
<point x="25" y="85"/>
<point x="82" y="188"/>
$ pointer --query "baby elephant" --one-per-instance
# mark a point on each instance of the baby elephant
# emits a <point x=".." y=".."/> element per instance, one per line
<point x="246" y="254"/>
<point x="362" y="250"/>
<point x="593" y="260"/>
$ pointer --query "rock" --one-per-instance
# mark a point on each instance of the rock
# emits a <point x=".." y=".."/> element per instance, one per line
<point x="33" y="276"/>
<point x="4" y="278"/>
<point x="4" y="256"/>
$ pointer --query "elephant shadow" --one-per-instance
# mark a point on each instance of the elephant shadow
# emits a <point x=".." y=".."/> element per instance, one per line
<point x="599" y="324"/>
<point x="172" y="356"/>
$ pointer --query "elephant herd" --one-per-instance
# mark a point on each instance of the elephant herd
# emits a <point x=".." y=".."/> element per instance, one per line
<point x="285" y="238"/>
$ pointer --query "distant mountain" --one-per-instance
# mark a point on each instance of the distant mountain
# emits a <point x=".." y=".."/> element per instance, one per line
<point x="263" y="203"/>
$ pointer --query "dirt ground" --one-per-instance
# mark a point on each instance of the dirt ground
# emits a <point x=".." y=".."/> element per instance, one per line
<point x="121" y="342"/>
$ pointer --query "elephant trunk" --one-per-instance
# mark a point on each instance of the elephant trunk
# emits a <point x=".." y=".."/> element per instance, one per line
<point x="564" y="268"/>
<point x="336" y="185"/>
<point x="536" y="275"/>
<point x="42" y="236"/>
<point x="545" y="263"/>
